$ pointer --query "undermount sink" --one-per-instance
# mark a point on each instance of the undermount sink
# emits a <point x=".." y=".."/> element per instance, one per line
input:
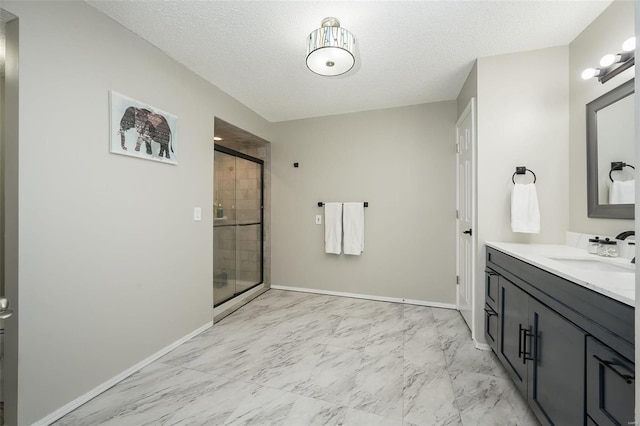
<point x="594" y="265"/>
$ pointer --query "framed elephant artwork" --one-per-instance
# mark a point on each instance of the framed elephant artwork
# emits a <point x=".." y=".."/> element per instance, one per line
<point x="142" y="131"/>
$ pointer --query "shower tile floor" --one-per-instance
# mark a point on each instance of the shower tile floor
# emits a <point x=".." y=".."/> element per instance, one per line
<point x="300" y="359"/>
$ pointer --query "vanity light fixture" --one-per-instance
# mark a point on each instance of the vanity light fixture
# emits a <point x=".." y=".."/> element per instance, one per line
<point x="613" y="64"/>
<point x="330" y="49"/>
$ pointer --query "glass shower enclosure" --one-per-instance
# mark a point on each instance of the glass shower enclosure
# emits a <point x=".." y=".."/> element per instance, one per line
<point x="237" y="223"/>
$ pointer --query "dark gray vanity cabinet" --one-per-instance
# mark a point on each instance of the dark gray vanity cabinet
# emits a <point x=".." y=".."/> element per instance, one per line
<point x="566" y="347"/>
<point x="543" y="353"/>
<point x="610" y="385"/>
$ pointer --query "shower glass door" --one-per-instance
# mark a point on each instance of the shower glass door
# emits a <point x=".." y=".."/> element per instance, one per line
<point x="237" y="223"/>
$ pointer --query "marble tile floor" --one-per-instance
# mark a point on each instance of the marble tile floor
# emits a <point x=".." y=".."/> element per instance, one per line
<point x="297" y="359"/>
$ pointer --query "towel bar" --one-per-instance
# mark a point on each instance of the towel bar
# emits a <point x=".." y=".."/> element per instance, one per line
<point x="521" y="170"/>
<point x="618" y="165"/>
<point x="321" y="203"/>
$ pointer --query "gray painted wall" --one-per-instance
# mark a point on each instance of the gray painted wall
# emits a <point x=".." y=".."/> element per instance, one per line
<point x="112" y="266"/>
<point x="604" y="35"/>
<point x="523" y="120"/>
<point x="402" y="161"/>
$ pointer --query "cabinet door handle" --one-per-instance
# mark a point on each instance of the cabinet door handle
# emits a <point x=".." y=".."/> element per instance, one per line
<point x="522" y="344"/>
<point x="609" y="364"/>
<point x="527" y="355"/>
<point x="490" y="312"/>
<point x="520" y="330"/>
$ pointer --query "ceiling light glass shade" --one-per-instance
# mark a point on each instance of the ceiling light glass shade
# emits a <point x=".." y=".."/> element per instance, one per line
<point x="330" y="49"/>
<point x="629" y="44"/>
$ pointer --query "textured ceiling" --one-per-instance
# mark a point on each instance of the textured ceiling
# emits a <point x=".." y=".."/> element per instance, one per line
<point x="408" y="52"/>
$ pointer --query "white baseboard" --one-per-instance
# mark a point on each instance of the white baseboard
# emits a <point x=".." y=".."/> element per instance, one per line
<point x="66" y="409"/>
<point x="481" y="346"/>
<point x="366" y="296"/>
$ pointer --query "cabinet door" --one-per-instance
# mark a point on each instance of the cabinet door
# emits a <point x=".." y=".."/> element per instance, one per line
<point x="513" y="320"/>
<point x="610" y="385"/>
<point x="556" y="369"/>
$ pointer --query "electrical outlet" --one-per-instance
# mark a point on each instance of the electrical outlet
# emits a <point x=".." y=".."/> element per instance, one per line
<point x="318" y="219"/>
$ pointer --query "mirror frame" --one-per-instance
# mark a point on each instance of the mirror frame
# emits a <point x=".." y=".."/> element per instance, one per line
<point x="609" y="211"/>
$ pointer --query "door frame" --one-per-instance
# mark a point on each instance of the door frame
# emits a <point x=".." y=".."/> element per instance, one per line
<point x="10" y="213"/>
<point x="469" y="109"/>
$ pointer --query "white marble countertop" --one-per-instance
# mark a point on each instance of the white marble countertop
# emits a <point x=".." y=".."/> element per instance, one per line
<point x="616" y="285"/>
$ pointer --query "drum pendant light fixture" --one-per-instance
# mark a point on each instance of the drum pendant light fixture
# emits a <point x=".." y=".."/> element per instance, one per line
<point x="330" y="49"/>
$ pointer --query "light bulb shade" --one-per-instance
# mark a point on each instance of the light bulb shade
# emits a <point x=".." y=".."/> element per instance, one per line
<point x="608" y="60"/>
<point x="330" y="50"/>
<point x="629" y="44"/>
<point x="588" y="73"/>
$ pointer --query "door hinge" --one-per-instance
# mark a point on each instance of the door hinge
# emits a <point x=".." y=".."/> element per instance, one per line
<point x="457" y="279"/>
<point x="458" y="148"/>
<point x="457" y="214"/>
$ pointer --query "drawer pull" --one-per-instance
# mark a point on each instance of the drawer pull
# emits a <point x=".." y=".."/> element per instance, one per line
<point x="609" y="364"/>
<point x="490" y="312"/>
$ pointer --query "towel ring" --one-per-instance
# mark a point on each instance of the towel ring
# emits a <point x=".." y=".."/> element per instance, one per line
<point x="521" y="171"/>
<point x="618" y="165"/>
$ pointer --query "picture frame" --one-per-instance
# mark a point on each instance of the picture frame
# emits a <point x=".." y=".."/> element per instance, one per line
<point x="142" y="131"/>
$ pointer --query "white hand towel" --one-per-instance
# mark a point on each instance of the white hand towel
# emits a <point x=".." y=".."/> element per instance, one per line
<point x="525" y="212"/>
<point x="622" y="192"/>
<point x="353" y="228"/>
<point x="332" y="227"/>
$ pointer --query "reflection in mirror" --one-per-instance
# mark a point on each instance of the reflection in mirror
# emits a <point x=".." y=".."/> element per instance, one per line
<point x="615" y="145"/>
<point x="610" y="136"/>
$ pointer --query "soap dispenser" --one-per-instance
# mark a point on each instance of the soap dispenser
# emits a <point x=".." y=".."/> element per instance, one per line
<point x="219" y="211"/>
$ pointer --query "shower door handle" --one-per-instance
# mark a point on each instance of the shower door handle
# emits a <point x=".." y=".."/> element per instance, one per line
<point x="468" y="232"/>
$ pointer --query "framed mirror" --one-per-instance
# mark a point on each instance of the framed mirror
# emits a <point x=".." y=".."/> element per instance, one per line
<point x="611" y="154"/>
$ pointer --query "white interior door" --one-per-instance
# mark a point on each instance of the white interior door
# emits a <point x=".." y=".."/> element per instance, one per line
<point x="465" y="205"/>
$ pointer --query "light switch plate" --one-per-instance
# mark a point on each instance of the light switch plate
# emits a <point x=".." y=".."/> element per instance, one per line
<point x="197" y="213"/>
<point x="318" y="219"/>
